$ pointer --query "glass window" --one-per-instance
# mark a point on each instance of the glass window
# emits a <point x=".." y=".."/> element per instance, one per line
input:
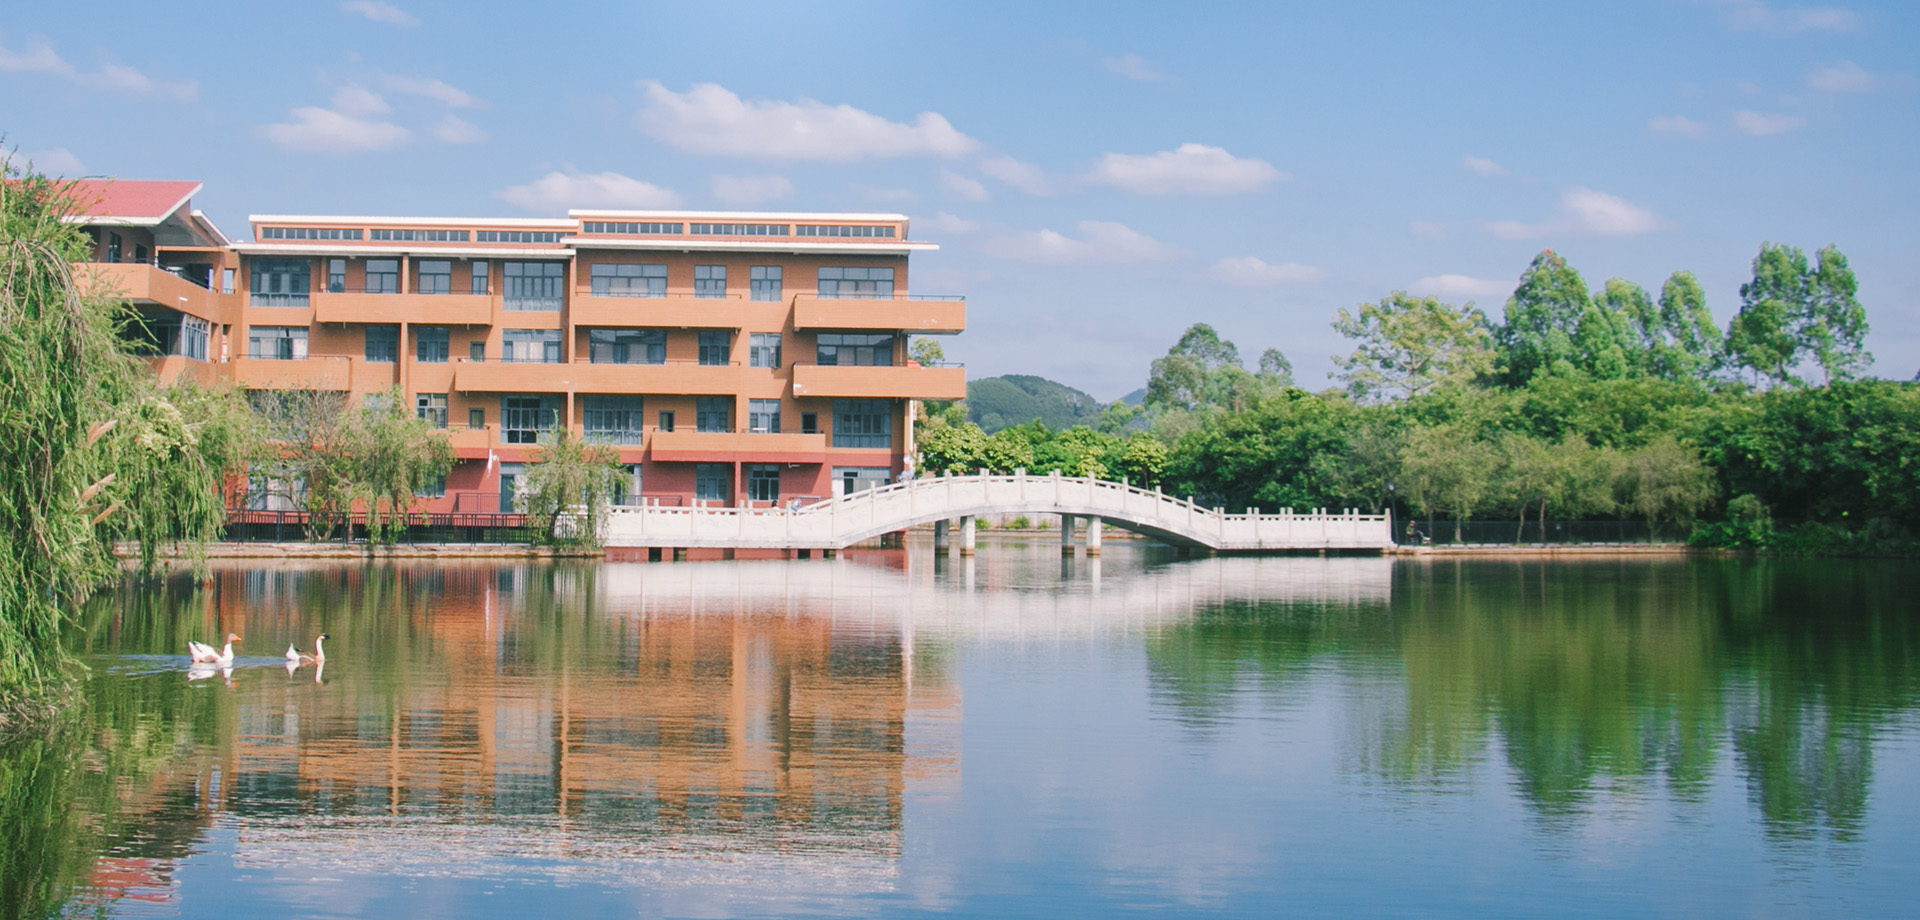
<point x="522" y="418"/>
<point x="530" y="346"/>
<point x="626" y="488"/>
<point x="113" y="247"/>
<point x="337" y="276"/>
<point x="432" y="407"/>
<point x="613" y="419"/>
<point x="193" y="337"/>
<point x="712" y="482"/>
<point x="279" y="283"/>
<point x="862" y="349"/>
<point x="534" y="285"/>
<point x="628" y="280"/>
<point x="430" y="344"/>
<point x="809" y="423"/>
<point x="476" y="351"/>
<point x="226" y="281"/>
<point x="383" y="276"/>
<point x="434" y="489"/>
<point x="763" y="349"/>
<point x="764" y="282"/>
<point x="627" y="346"/>
<point x="713" y="413"/>
<point x="666" y="420"/>
<point x="383" y="344"/>
<point x="844" y="230"/>
<point x="436" y="276"/>
<point x="476" y="418"/>
<point x="716" y="347"/>
<point x="709" y="281"/>
<point x="763" y="416"/>
<point x="860" y="283"/>
<point x="477" y="282"/>
<point x="281" y="343"/>
<point x="763" y="482"/>
<point x="862" y="423"/>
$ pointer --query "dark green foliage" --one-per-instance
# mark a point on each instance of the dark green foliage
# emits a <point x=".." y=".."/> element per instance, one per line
<point x="1543" y="320"/>
<point x="995" y="403"/>
<point x="1262" y="456"/>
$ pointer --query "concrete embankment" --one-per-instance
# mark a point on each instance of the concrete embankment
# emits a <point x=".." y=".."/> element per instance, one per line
<point x="365" y="551"/>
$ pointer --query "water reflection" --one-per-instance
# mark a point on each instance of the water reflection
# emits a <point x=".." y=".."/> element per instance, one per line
<point x="774" y="723"/>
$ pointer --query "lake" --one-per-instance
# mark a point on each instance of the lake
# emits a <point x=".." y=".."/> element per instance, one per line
<point x="894" y="734"/>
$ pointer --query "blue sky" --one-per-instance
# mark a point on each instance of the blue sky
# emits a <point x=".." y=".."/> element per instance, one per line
<point x="1100" y="176"/>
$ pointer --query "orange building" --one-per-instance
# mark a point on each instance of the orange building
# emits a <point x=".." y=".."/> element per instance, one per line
<point x="730" y="356"/>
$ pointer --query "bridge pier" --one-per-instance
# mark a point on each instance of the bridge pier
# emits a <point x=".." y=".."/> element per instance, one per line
<point x="939" y="535"/>
<point x="1093" y="536"/>
<point x="966" y="535"/>
<point x="1066" y="534"/>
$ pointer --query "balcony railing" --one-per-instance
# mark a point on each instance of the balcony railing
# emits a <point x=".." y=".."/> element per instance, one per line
<point x="257" y="299"/>
<point x="626" y="438"/>
<point x="844" y="295"/>
<point x="532" y="304"/>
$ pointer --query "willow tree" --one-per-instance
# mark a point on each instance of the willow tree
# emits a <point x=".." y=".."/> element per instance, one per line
<point x="91" y="450"/>
<point x="396" y="456"/>
<point x="568" y="489"/>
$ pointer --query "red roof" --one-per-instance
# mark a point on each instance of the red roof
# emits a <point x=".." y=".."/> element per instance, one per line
<point x="133" y="199"/>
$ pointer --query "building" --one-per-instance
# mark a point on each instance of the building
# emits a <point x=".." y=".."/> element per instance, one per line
<point x="730" y="356"/>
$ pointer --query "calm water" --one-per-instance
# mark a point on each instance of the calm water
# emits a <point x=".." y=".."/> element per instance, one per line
<point x="1020" y="735"/>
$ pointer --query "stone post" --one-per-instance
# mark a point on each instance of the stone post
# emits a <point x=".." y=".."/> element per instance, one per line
<point x="1066" y="534"/>
<point x="966" y="535"/>
<point x="1093" y="536"/>
<point x="939" y="535"/>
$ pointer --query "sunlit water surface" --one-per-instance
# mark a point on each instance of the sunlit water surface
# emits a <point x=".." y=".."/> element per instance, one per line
<point x="891" y="734"/>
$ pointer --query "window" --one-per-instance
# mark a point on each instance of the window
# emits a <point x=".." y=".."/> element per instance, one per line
<point x="763" y="349"/>
<point x="764" y="282"/>
<point x="422" y="236"/>
<point x="627" y="346"/>
<point x="383" y="276"/>
<point x="666" y="420"/>
<point x="277" y="343"/>
<point x="193" y="337"/>
<point x="336" y="276"/>
<point x="613" y="419"/>
<point x="716" y="347"/>
<point x="430" y="344"/>
<point x="279" y="283"/>
<point x="712" y="482"/>
<point x="763" y="416"/>
<point x="713" y="413"/>
<point x="113" y="247"/>
<point x="844" y="230"/>
<point x="476" y="351"/>
<point x="477" y="283"/>
<point x="763" y="482"/>
<point x="629" y="280"/>
<point x="809" y="423"/>
<point x="308" y="233"/>
<point x="476" y="418"/>
<point x="510" y="474"/>
<point x="226" y="281"/>
<point x="530" y="346"/>
<point x="626" y="488"/>
<point x="860" y="478"/>
<point x="436" y="276"/>
<point x="139" y="253"/>
<point x="522" y="418"/>
<point x="710" y="281"/>
<point x="432" y="407"/>
<point x="857" y="283"/>
<point x="515" y="236"/>
<point x="437" y="488"/>
<point x="739" y="229"/>
<point x="861" y="349"/>
<point x="598" y="226"/>
<point x="534" y="285"/>
<point x="862" y="423"/>
<point x="383" y="344"/>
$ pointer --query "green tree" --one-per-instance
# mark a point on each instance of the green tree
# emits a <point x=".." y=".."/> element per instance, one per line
<point x="1761" y="337"/>
<point x="568" y="489"/>
<point x="396" y="456"/>
<point x="1665" y="481"/>
<point x="1144" y="461"/>
<point x="1450" y="468"/>
<point x="1603" y="340"/>
<point x="1543" y="318"/>
<point x="1408" y="346"/>
<point x="1262" y="456"/>
<point x="947" y="448"/>
<point x="1833" y="329"/>
<point x="1681" y="342"/>
<point x="926" y="351"/>
<point x="310" y="463"/>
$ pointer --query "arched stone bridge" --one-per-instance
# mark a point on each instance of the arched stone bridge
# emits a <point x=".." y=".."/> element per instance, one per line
<point x="867" y="514"/>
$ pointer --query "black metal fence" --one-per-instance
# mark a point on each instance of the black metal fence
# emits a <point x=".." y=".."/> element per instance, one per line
<point x="1441" y="530"/>
<point x="250" y="526"/>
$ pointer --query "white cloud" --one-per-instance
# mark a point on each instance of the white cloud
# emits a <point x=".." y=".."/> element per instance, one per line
<point x="380" y="12"/>
<point x="955" y="184"/>
<point x="1765" y="124"/>
<point x="1844" y="77"/>
<point x="1757" y="15"/>
<point x="558" y="191"/>
<point x="327" y="131"/>
<point x="41" y="58"/>
<point x="710" y="119"/>
<point x="58" y="162"/>
<point x="887" y="195"/>
<point x="1250" y="272"/>
<point x="431" y="89"/>
<point x="1483" y="167"/>
<point x="745" y="191"/>
<point x="1133" y="67"/>
<point x="359" y="102"/>
<point x="456" y="130"/>
<point x="1102" y="243"/>
<point x="1585" y="212"/>
<point x="947" y="223"/>
<point x="1451" y="286"/>
<point x="1024" y="176"/>
<point x="1193" y="169"/>
<point x="1677" y="126"/>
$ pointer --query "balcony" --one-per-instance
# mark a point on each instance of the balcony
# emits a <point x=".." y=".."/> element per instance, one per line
<point x="857" y="382"/>
<point x="676" y="310"/>
<point x="905" y="313"/>
<point x="142" y="282"/>
<point x="316" y="372"/>
<point x="583" y="376"/>
<point x="736" y="446"/>
<point x="424" y="309"/>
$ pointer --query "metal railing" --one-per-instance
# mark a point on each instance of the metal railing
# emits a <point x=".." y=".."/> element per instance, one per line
<point x="257" y="299"/>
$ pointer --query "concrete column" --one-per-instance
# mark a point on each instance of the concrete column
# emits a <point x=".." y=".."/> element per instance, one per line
<point x="1093" y="536"/>
<point x="940" y="535"/>
<point x="1066" y="535"/>
<point x="966" y="535"/>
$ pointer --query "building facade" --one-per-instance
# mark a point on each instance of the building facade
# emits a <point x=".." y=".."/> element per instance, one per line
<point x="730" y="357"/>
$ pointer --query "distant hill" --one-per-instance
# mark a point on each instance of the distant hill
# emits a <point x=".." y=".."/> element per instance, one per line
<point x="1137" y="398"/>
<point x="994" y="403"/>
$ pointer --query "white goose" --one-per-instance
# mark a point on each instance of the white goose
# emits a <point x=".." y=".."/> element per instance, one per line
<point x="296" y="657"/>
<point x="207" y="654"/>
